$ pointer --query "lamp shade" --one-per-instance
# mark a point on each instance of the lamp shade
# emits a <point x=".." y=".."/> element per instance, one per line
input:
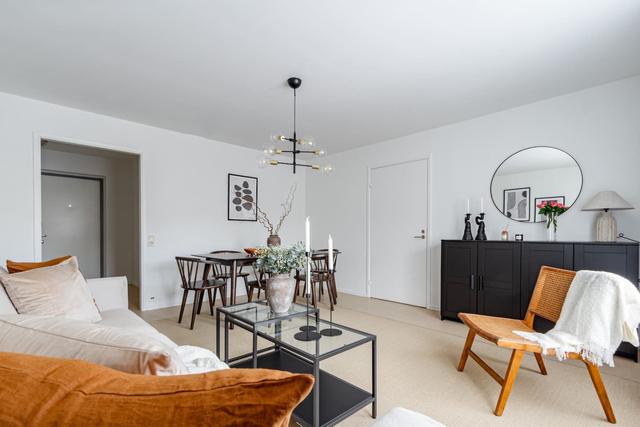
<point x="607" y="200"/>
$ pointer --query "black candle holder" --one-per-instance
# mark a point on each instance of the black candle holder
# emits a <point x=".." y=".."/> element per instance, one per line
<point x="467" y="228"/>
<point x="308" y="332"/>
<point x="331" y="331"/>
<point x="481" y="235"/>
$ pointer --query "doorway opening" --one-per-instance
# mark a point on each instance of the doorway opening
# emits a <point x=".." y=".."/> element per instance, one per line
<point x="90" y="208"/>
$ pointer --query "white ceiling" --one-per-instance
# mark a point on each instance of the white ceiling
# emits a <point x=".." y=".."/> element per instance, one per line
<point x="536" y="159"/>
<point x="371" y="69"/>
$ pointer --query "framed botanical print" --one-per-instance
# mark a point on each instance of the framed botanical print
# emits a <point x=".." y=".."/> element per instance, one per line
<point x="242" y="196"/>
<point x="541" y="218"/>
<point x="516" y="203"/>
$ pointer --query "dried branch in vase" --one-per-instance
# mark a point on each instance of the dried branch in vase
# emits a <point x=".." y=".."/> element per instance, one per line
<point x="287" y="206"/>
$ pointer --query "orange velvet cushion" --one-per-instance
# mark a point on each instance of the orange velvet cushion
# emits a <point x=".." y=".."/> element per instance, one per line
<point x="45" y="391"/>
<point x="18" y="267"/>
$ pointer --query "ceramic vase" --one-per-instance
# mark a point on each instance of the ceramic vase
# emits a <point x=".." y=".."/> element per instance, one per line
<point x="273" y="240"/>
<point x="280" y="293"/>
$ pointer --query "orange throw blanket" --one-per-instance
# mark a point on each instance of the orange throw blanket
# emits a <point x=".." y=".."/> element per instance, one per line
<point x="43" y="391"/>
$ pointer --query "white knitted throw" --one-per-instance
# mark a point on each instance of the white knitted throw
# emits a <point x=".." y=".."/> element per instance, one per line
<point x="600" y="311"/>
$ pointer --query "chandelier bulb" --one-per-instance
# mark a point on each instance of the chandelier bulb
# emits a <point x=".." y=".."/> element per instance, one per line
<point x="327" y="169"/>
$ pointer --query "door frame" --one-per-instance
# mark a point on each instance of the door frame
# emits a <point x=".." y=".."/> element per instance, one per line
<point x="38" y="137"/>
<point x="102" y="182"/>
<point x="370" y="168"/>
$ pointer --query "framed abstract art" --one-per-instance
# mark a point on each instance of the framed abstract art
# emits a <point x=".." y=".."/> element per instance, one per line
<point x="242" y="195"/>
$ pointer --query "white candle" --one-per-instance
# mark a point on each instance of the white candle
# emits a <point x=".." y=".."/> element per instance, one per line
<point x="330" y="252"/>
<point x="468" y="207"/>
<point x="307" y="236"/>
<point x="481" y="204"/>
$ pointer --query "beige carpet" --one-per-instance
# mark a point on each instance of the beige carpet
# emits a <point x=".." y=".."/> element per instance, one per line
<point x="417" y="357"/>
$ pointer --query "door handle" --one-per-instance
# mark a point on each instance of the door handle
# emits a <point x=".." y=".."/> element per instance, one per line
<point x="421" y="236"/>
<point x="472" y="282"/>
<point x="42" y="239"/>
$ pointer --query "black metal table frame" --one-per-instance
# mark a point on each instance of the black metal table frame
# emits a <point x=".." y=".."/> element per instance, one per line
<point x="313" y="360"/>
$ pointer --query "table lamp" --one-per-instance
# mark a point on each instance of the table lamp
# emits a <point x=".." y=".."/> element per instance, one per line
<point x="606" y="228"/>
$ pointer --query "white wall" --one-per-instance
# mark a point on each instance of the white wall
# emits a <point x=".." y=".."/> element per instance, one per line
<point x="121" y="212"/>
<point x="184" y="181"/>
<point x="600" y="127"/>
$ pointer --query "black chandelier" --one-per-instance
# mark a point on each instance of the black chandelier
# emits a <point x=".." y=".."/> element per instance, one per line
<point x="271" y="150"/>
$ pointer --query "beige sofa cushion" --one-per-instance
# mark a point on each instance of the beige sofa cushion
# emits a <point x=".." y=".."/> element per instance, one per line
<point x="59" y="290"/>
<point x="6" y="307"/>
<point x="71" y="339"/>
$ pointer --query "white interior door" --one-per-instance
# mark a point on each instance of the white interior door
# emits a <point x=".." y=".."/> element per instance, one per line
<point x="72" y="220"/>
<point x="398" y="227"/>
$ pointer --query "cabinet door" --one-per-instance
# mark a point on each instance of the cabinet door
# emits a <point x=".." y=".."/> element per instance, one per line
<point x="499" y="279"/>
<point x="615" y="258"/>
<point x="536" y="255"/>
<point x="458" y="278"/>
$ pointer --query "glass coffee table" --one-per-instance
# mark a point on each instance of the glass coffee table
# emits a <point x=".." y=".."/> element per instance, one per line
<point x="332" y="399"/>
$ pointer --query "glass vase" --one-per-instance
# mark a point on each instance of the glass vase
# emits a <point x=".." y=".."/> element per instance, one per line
<point x="551" y="228"/>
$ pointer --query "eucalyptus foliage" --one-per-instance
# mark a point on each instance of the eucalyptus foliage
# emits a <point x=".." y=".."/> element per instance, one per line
<point x="281" y="259"/>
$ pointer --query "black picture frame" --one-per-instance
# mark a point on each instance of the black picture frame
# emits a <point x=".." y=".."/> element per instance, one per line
<point x="244" y="214"/>
<point x="537" y="201"/>
<point x="528" y="198"/>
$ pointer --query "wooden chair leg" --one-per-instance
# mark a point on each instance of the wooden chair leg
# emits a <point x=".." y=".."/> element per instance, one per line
<point x="200" y="301"/>
<point x="465" y="350"/>
<point x="250" y="294"/>
<point x="196" y="300"/>
<point x="210" y="300"/>
<point x="223" y="295"/>
<point x="594" y="373"/>
<point x="510" y="377"/>
<point x="540" y="361"/>
<point x="184" y="302"/>
<point x="215" y="295"/>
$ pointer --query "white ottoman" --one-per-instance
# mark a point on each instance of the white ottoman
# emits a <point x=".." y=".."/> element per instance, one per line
<point x="400" y="417"/>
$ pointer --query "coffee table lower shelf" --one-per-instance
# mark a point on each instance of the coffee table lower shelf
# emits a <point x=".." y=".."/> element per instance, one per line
<point x="338" y="398"/>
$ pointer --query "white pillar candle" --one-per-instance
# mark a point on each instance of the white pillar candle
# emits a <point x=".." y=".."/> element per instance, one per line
<point x="307" y="236"/>
<point x="468" y="206"/>
<point x="481" y="204"/>
<point x="330" y="243"/>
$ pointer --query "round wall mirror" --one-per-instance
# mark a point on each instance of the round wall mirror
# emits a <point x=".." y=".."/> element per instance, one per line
<point x="531" y="176"/>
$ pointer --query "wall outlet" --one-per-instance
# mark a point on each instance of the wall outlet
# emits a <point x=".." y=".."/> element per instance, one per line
<point x="151" y="240"/>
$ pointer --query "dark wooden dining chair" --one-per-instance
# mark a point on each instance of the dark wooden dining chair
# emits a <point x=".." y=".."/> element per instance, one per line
<point x="189" y="268"/>
<point x="320" y="276"/>
<point x="257" y="281"/>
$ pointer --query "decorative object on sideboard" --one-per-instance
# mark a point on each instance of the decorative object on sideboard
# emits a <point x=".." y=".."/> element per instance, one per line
<point x="519" y="237"/>
<point x="537" y="217"/>
<point x="504" y="235"/>
<point x="242" y="195"/>
<point x="287" y="206"/>
<point x="605" y="201"/>
<point x="467" y="228"/>
<point x="481" y="235"/>
<point x="551" y="210"/>
<point x="622" y="236"/>
<point x="271" y="151"/>
<point x="535" y="172"/>
<point x="279" y="262"/>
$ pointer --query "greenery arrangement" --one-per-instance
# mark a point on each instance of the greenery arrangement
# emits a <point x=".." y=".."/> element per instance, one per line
<point x="281" y="259"/>
<point x="552" y="210"/>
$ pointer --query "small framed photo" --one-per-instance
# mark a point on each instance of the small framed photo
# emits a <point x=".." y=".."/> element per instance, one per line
<point x="516" y="203"/>
<point x="541" y="218"/>
<point x="242" y="196"/>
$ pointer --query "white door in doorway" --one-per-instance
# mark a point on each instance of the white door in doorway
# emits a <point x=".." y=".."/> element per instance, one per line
<point x="398" y="229"/>
<point x="72" y="220"/>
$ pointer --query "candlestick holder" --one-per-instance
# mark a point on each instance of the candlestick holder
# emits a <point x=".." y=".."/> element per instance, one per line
<point x="308" y="332"/>
<point x="467" y="228"/>
<point x="481" y="235"/>
<point x="331" y="331"/>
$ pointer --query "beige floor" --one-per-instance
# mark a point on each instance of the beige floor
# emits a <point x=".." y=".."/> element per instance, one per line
<point x="417" y="356"/>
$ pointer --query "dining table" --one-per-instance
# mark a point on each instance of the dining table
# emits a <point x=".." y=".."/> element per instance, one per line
<point x="231" y="259"/>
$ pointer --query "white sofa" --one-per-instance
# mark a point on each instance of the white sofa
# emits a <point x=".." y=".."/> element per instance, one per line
<point x="111" y="297"/>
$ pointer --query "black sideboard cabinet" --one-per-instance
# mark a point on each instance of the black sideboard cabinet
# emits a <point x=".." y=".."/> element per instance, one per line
<point x="497" y="278"/>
